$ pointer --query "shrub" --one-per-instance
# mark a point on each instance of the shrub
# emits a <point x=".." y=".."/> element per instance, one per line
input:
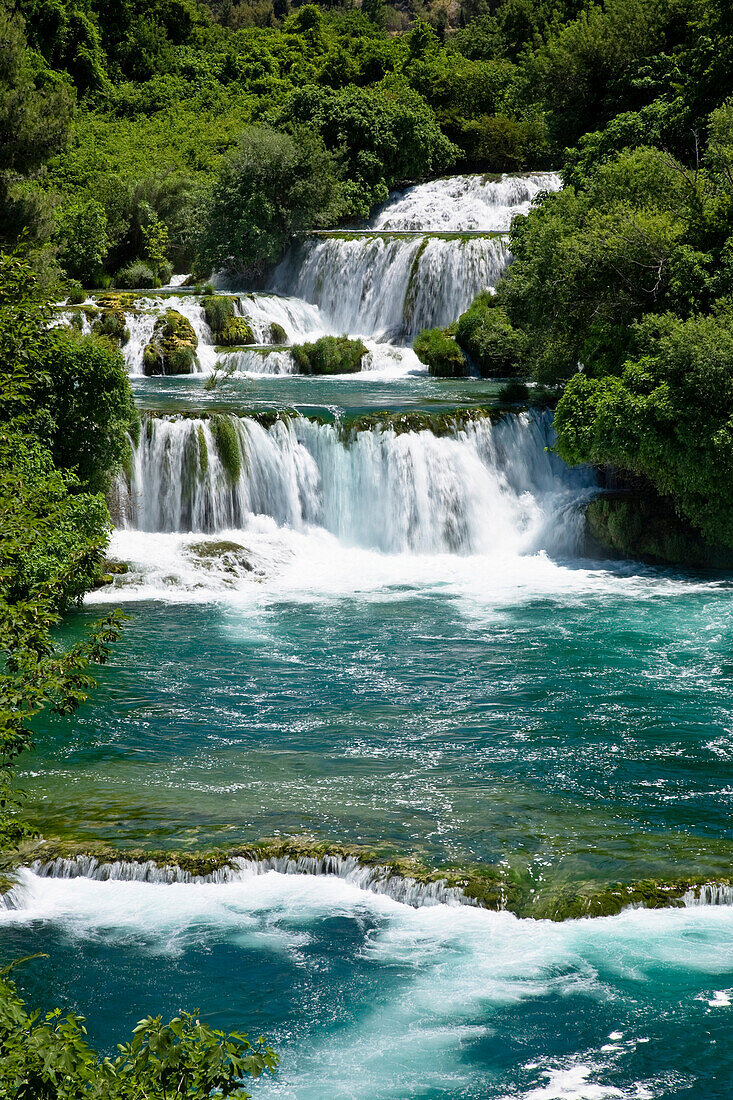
<point x="76" y="293"/>
<point x="441" y="354"/>
<point x="330" y="355"/>
<point x="489" y="339"/>
<point x="165" y="272"/>
<point x="137" y="275"/>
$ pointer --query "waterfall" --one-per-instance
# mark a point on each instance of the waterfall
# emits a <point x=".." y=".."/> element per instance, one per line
<point x="464" y="202"/>
<point x="481" y="489"/>
<point x="395" y="285"/>
<point x="140" y="323"/>
<point x="376" y="879"/>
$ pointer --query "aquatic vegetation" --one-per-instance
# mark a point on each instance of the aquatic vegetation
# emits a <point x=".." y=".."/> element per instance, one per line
<point x="227" y="444"/>
<point x="441" y="353"/>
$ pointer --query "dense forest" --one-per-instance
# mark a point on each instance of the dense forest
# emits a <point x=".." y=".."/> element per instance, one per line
<point x="144" y="137"/>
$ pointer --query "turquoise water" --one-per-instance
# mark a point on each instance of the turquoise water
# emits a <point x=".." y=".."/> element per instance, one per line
<point x="396" y="641"/>
<point x="366" y="998"/>
<point x="577" y="724"/>
<point x="355" y="396"/>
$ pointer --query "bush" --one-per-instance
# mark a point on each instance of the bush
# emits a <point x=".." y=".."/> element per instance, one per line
<point x="488" y="338"/>
<point x="273" y="186"/>
<point x="165" y="272"/>
<point x="75" y="293"/>
<point x="441" y="354"/>
<point x="329" y="355"/>
<point x="137" y="276"/>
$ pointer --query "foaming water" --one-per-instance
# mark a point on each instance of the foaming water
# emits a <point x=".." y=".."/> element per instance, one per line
<point x="391" y="287"/>
<point x="485" y="488"/>
<point x="465" y="202"/>
<point x="368" y="998"/>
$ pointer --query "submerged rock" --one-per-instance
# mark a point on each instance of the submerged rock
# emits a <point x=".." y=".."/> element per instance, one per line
<point x="172" y="348"/>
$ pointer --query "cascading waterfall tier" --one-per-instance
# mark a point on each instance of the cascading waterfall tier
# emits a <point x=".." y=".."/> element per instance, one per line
<point x="465" y="202"/>
<point x="391" y="286"/>
<point x="376" y="879"/>
<point x="484" y="488"/>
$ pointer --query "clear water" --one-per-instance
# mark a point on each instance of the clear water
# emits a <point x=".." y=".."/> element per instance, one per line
<point x="395" y="641"/>
<point x="367" y="999"/>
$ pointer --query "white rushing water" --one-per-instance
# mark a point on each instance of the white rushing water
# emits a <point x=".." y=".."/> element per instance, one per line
<point x="391" y="287"/>
<point x="478" y="490"/>
<point x="418" y="266"/>
<point x="465" y="202"/>
<point x="448" y="978"/>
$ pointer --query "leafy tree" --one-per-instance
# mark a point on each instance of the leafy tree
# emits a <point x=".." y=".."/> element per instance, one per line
<point x="273" y="186"/>
<point x="81" y="230"/>
<point x="667" y="417"/>
<point x="88" y="400"/>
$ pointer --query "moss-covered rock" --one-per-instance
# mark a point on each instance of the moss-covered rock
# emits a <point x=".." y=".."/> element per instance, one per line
<point x="278" y="335"/>
<point x="439" y="423"/>
<point x="111" y="323"/>
<point x="228" y="329"/>
<point x="644" y="526"/>
<point x="330" y="355"/>
<point x="487" y="886"/>
<point x="227" y="444"/>
<point x="172" y="348"/>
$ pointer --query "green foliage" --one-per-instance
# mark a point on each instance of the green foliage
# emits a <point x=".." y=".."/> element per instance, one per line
<point x="441" y="354"/>
<point x="227" y="328"/>
<point x="273" y="186"/>
<point x="668" y="417"/>
<point x="278" y="335"/>
<point x="137" y="276"/>
<point x="329" y="355"/>
<point x="75" y="293"/>
<point x="488" y="338"/>
<point x="643" y="235"/>
<point x="87" y="397"/>
<point x="81" y="232"/>
<point x="47" y="1057"/>
<point x="227" y="445"/>
<point x="386" y="134"/>
<point x="53" y="531"/>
